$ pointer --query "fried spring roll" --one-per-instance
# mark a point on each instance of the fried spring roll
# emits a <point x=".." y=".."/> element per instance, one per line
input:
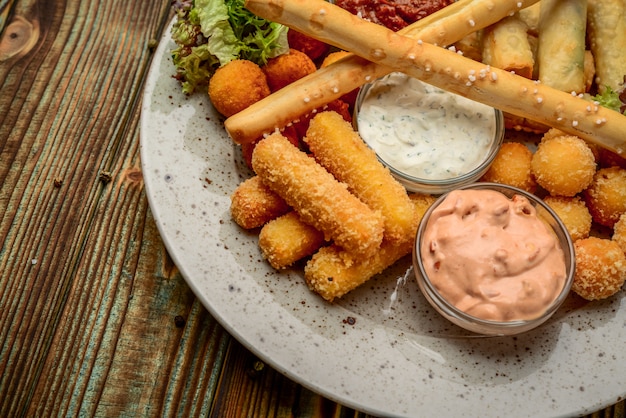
<point x="252" y="204"/>
<point x="287" y="239"/>
<point x="450" y="71"/>
<point x="607" y="39"/>
<point x="506" y="46"/>
<point x="319" y="199"/>
<point x="561" y="49"/>
<point x="530" y="16"/>
<point x="332" y="273"/>
<point x="444" y="27"/>
<point x="337" y="147"/>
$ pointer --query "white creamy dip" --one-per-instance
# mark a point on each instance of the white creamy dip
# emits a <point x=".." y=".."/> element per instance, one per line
<point x="424" y="131"/>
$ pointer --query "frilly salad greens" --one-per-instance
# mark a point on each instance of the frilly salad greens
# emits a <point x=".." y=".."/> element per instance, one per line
<point x="211" y="33"/>
<point x="613" y="99"/>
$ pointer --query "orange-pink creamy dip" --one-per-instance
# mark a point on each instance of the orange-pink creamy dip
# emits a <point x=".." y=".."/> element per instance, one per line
<point x="492" y="257"/>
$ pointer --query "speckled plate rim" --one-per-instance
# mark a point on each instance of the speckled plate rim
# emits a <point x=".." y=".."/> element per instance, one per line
<point x="373" y="363"/>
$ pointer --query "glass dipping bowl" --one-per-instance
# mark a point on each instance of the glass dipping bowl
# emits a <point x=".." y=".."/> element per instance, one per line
<point x="416" y="98"/>
<point x="491" y="327"/>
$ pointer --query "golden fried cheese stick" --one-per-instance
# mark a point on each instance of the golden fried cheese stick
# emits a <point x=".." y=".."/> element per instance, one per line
<point x="287" y="239"/>
<point x="444" y="27"/>
<point x="332" y="273"/>
<point x="252" y="204"/>
<point x="320" y="200"/>
<point x="336" y="146"/>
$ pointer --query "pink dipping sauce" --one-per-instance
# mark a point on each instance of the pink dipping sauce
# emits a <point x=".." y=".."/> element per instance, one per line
<point x="492" y="257"/>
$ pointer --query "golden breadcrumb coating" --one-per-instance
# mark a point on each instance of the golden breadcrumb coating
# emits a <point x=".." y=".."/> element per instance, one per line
<point x="334" y="57"/>
<point x="574" y="214"/>
<point x="287" y="68"/>
<point x="252" y="204"/>
<point x="237" y="85"/>
<point x="606" y="196"/>
<point x="563" y="165"/>
<point x="619" y="232"/>
<point x="287" y="239"/>
<point x="339" y="148"/>
<point x="332" y="273"/>
<point x="421" y="203"/>
<point x="319" y="199"/>
<point x="600" y="268"/>
<point x="512" y="166"/>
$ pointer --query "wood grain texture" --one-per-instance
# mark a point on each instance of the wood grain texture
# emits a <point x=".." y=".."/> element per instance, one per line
<point x="95" y="319"/>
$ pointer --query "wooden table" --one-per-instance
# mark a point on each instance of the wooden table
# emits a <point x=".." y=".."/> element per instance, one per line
<point x="95" y="319"/>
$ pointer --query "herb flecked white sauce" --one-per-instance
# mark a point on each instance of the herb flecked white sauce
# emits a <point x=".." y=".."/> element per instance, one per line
<point x="424" y="131"/>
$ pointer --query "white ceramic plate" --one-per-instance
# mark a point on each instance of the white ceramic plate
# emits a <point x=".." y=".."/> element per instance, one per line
<point x="377" y="351"/>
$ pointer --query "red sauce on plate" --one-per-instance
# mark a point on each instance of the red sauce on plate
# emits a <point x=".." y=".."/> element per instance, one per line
<point x="394" y="14"/>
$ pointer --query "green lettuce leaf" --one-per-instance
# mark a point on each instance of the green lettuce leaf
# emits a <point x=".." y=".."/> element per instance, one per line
<point x="211" y="33"/>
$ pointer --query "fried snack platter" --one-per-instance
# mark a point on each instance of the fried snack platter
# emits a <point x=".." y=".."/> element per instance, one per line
<point x="380" y="349"/>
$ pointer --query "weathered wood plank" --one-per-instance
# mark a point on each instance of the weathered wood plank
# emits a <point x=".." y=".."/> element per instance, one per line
<point x="95" y="320"/>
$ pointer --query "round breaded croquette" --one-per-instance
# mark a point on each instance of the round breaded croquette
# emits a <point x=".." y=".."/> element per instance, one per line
<point x="237" y="85"/>
<point x="574" y="214"/>
<point x="552" y="133"/>
<point x="600" y="268"/>
<point x="563" y="165"/>
<point x="334" y="57"/>
<point x="312" y="47"/>
<point x="619" y="232"/>
<point x="287" y="68"/>
<point x="512" y="166"/>
<point x="606" y="196"/>
<point x="555" y="133"/>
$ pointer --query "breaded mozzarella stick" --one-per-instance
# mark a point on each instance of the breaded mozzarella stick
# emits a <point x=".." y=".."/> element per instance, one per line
<point x="332" y="273"/>
<point x="337" y="147"/>
<point x="319" y="199"/>
<point x="287" y="239"/>
<point x="252" y="204"/>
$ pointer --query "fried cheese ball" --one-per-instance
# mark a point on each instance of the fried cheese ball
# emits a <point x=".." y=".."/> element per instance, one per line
<point x="619" y="232"/>
<point x="600" y="268"/>
<point x="606" y="196"/>
<point x="563" y="165"/>
<point x="553" y="133"/>
<point x="574" y="214"/>
<point x="334" y="57"/>
<point x="287" y="68"/>
<point x="512" y="166"/>
<point x="237" y="85"/>
<point x="304" y="43"/>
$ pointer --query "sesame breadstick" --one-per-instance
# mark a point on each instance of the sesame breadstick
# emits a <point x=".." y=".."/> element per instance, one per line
<point x="336" y="146"/>
<point x="444" y="27"/>
<point x="319" y="199"/>
<point x="450" y="71"/>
